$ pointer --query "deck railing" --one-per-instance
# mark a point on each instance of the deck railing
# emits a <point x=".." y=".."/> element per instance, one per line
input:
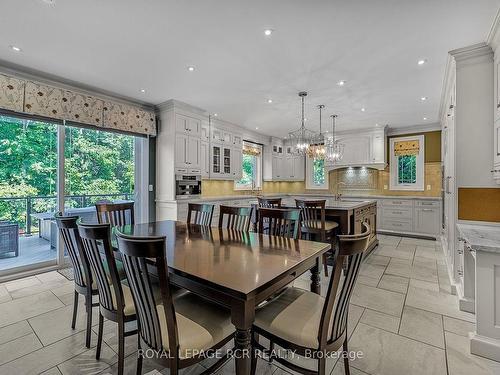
<point x="48" y="203"/>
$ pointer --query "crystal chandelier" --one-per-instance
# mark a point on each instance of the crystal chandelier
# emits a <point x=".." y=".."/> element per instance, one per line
<point x="334" y="150"/>
<point x="316" y="149"/>
<point x="301" y="138"/>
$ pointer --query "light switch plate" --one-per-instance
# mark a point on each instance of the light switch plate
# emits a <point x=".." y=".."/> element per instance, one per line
<point x="150" y="187"/>
<point x="385" y="187"/>
<point x="428" y="187"/>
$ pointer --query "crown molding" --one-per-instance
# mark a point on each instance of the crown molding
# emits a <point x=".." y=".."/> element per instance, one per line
<point x="473" y="51"/>
<point x="493" y="38"/>
<point x="449" y="77"/>
<point x="173" y="103"/>
<point x="415" y="129"/>
<point x="22" y="72"/>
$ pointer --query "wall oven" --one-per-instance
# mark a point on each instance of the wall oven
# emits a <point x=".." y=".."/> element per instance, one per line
<point x="187" y="185"/>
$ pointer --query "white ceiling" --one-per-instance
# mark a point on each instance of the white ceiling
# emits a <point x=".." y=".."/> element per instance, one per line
<point x="122" y="46"/>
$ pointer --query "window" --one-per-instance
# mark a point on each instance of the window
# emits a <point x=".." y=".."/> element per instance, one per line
<point x="251" y="167"/>
<point x="407" y="163"/>
<point x="317" y="177"/>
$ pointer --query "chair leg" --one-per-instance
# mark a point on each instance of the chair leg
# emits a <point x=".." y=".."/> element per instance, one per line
<point x="139" y="355"/>
<point x="271" y="349"/>
<point x="99" y="336"/>
<point x="121" y="347"/>
<point x="253" y="367"/>
<point x="75" y="310"/>
<point x="346" y="358"/>
<point x="322" y="366"/>
<point x="88" y="305"/>
<point x="325" y="265"/>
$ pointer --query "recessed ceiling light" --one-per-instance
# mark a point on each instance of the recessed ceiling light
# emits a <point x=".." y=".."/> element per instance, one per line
<point x="421" y="61"/>
<point x="305" y="119"/>
<point x="190" y="68"/>
<point x="341" y="83"/>
<point x="256" y="128"/>
<point x="269" y="101"/>
<point x="363" y="109"/>
<point x="49" y="2"/>
<point x="143" y="90"/>
<point x="423" y="98"/>
<point x="215" y="114"/>
<point x="425" y="118"/>
<point x="268" y="32"/>
<point x="15" y="48"/>
<point x="376" y="124"/>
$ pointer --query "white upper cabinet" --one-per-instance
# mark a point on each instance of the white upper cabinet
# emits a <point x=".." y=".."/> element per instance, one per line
<point x="205" y="132"/>
<point x="187" y="152"/>
<point x="237" y="160"/>
<point x="497" y="85"/>
<point x="187" y="125"/>
<point x="362" y="148"/>
<point x="205" y="159"/>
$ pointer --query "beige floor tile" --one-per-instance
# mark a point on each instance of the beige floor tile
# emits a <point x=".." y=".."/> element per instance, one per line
<point x="377" y="260"/>
<point x="4" y="294"/>
<point x="22" y="283"/>
<point x="24" y="308"/>
<point x="461" y="362"/>
<point x="339" y="369"/>
<point x="417" y="241"/>
<point x="14" y="331"/>
<point x="423" y="326"/>
<point x="353" y="317"/>
<point x="398" y="268"/>
<point x="110" y="337"/>
<point x="440" y="303"/>
<point x="388" y="240"/>
<point x="52" y="371"/>
<point x="367" y="280"/>
<point x="45" y="358"/>
<point x="425" y="262"/>
<point x="428" y="252"/>
<point x="413" y="271"/>
<point x="390" y="354"/>
<point x="403" y="252"/>
<point x="380" y="320"/>
<point x="18" y="347"/>
<point x="51" y="277"/>
<point x="394" y="283"/>
<point x="56" y="325"/>
<point x="372" y="270"/>
<point x="59" y="286"/>
<point x="378" y="299"/>
<point x="424" y="285"/>
<point x="457" y="326"/>
<point x="86" y="363"/>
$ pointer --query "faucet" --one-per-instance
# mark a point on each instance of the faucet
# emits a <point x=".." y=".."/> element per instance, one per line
<point x="338" y="195"/>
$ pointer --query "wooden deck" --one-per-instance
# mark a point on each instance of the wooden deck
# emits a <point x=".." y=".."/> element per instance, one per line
<point x="32" y="250"/>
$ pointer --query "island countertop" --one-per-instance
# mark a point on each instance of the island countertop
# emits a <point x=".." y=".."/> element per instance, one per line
<point x="481" y="237"/>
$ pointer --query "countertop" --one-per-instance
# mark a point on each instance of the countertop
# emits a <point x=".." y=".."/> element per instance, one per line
<point x="481" y="237"/>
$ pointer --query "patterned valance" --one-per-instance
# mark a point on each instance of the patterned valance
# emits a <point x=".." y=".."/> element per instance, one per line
<point x="53" y="102"/>
<point x="403" y="148"/>
<point x="251" y="150"/>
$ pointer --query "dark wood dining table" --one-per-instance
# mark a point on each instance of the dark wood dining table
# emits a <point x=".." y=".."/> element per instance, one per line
<point x="236" y="269"/>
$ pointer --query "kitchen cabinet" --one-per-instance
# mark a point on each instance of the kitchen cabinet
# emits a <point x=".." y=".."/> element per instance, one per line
<point x="222" y="163"/>
<point x="237" y="140"/>
<point x="187" y="152"/>
<point x="205" y="133"/>
<point x="284" y="165"/>
<point x="497" y="84"/>
<point x="187" y="125"/>
<point x="236" y="161"/>
<point x="205" y="159"/>
<point x="427" y="219"/>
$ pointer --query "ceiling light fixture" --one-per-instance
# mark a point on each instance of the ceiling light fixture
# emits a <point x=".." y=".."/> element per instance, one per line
<point x="269" y="101"/>
<point x="49" y="2"/>
<point x="143" y="90"/>
<point x="425" y="118"/>
<point x="256" y="128"/>
<point x="421" y="61"/>
<point x="215" y="114"/>
<point x="316" y="150"/>
<point x="302" y="137"/>
<point x="15" y="48"/>
<point x="268" y="32"/>
<point x="190" y="68"/>
<point x="334" y="150"/>
<point x="341" y="83"/>
<point x="423" y="98"/>
<point x="363" y="109"/>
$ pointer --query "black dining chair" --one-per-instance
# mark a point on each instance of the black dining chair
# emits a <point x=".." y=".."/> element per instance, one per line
<point x="235" y="218"/>
<point x="279" y="222"/>
<point x="84" y="284"/>
<point x="269" y="202"/>
<point x="116" y="214"/>
<point x="308" y="323"/>
<point x="115" y="299"/>
<point x="200" y="214"/>
<point x="180" y="329"/>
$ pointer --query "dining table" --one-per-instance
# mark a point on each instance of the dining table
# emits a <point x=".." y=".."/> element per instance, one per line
<point x="236" y="269"/>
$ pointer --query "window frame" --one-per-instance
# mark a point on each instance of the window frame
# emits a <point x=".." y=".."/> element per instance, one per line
<point x="258" y="180"/>
<point x="420" y="165"/>
<point x="309" y="176"/>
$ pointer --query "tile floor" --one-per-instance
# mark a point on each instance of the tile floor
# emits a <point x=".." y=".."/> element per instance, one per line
<point x="402" y="317"/>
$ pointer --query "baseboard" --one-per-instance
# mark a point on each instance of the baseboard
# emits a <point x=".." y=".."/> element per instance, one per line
<point x="484" y="346"/>
<point x="449" y="269"/>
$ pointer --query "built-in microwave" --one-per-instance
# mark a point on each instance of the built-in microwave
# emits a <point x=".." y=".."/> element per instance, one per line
<point x="187" y="184"/>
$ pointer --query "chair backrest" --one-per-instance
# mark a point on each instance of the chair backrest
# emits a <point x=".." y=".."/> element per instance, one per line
<point x="313" y="213"/>
<point x="202" y="213"/>
<point x="96" y="240"/>
<point x="269" y="202"/>
<point x="279" y="222"/>
<point x="335" y="309"/>
<point x="73" y="244"/>
<point x="237" y="218"/>
<point x="135" y="252"/>
<point x="116" y="214"/>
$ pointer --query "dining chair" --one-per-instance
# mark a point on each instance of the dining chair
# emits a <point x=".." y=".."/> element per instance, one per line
<point x="115" y="299"/>
<point x="235" y="218"/>
<point x="279" y="222"/>
<point x="116" y="214"/>
<point x="179" y="329"/>
<point x="307" y="323"/>
<point x="269" y="202"/>
<point x="202" y="214"/>
<point x="84" y="284"/>
<point x="315" y="226"/>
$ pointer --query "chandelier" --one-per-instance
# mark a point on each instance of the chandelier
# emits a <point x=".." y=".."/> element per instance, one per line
<point x="316" y="149"/>
<point x="334" y="150"/>
<point x="301" y="138"/>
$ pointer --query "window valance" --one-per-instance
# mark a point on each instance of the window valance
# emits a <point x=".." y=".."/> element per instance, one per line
<point x="34" y="98"/>
<point x="403" y="148"/>
<point x="249" y="149"/>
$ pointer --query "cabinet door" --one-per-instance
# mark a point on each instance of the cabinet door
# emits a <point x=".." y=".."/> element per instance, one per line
<point x="194" y="126"/>
<point x="181" y="147"/>
<point x="193" y="152"/>
<point x="427" y="221"/>
<point x="299" y="168"/>
<point x="205" y="159"/>
<point x="181" y="123"/>
<point x="216" y="157"/>
<point x="205" y="133"/>
<point x="356" y="150"/>
<point x="237" y="140"/>
<point x="237" y="160"/>
<point x="378" y="149"/>
<point x="217" y="135"/>
<point x="497" y="85"/>
<point x="227" y="137"/>
<point x="226" y="161"/>
<point x="496" y="146"/>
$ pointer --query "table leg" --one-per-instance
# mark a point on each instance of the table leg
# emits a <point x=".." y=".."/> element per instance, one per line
<point x="315" y="278"/>
<point x="242" y="316"/>
<point x="345" y="226"/>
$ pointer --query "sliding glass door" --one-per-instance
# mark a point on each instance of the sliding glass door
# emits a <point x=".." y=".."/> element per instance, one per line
<point x="28" y="193"/>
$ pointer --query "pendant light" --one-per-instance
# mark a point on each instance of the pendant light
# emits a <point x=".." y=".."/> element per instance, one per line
<point x="302" y="138"/>
<point x="317" y="148"/>
<point x="334" y="150"/>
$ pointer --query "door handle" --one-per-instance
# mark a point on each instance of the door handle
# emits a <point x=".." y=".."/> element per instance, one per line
<point x="448" y="178"/>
